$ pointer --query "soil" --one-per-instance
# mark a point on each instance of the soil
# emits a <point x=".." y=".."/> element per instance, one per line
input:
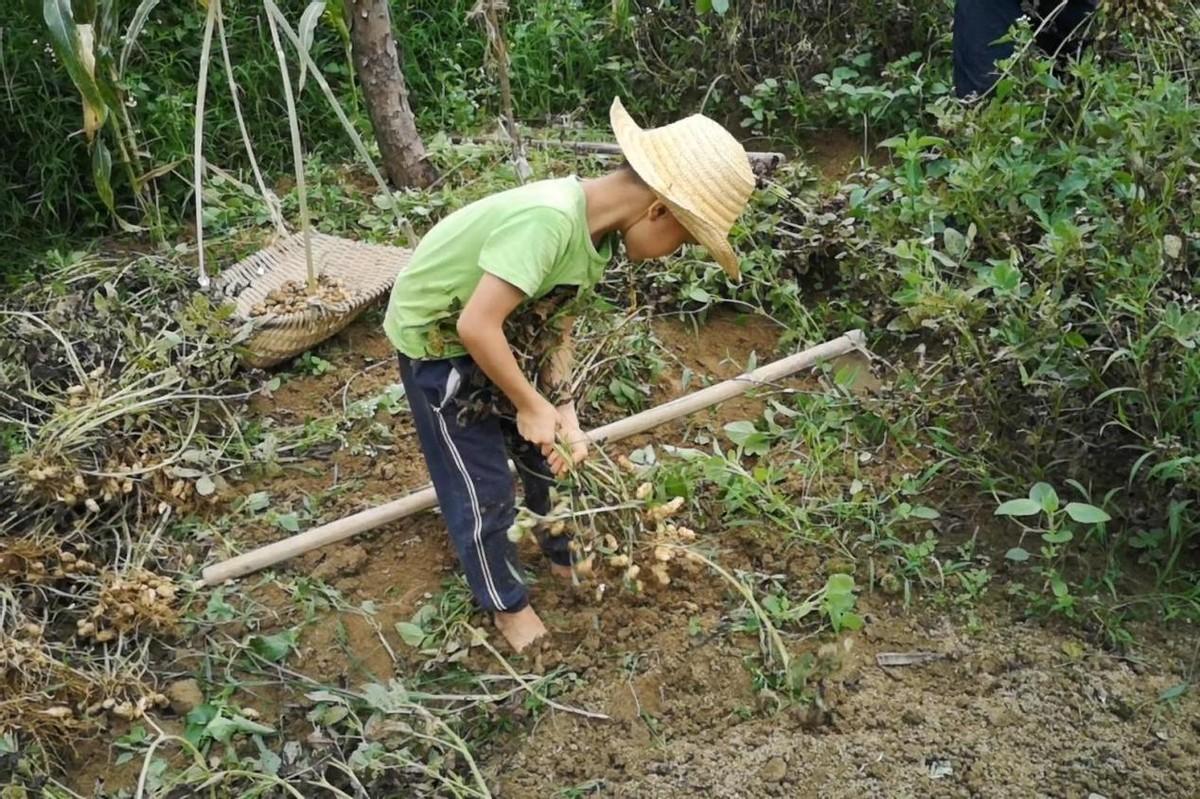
<point x="1015" y="709"/>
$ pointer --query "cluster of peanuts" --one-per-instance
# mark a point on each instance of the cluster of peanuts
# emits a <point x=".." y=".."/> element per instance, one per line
<point x="138" y="600"/>
<point x="1144" y="14"/>
<point x="90" y="390"/>
<point x="294" y="297"/>
<point x="23" y="656"/>
<point x="125" y="709"/>
<point x="45" y="565"/>
<point x="20" y="650"/>
<point x="669" y="540"/>
<point x="57" y="482"/>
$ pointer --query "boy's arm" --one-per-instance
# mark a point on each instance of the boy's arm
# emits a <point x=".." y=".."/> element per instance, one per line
<point x="556" y="383"/>
<point x="481" y="330"/>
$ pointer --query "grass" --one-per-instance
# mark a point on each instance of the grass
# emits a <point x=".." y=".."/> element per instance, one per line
<point x="567" y="64"/>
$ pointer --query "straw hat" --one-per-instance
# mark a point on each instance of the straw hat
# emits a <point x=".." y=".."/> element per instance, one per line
<point x="698" y="169"/>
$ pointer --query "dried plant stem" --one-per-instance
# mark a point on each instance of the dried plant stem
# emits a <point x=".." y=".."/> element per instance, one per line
<point x="269" y="198"/>
<point x="776" y="640"/>
<point x="297" y="153"/>
<point x="198" y="139"/>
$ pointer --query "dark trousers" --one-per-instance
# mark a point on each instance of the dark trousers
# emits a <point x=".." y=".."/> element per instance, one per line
<point x="979" y="23"/>
<point x="466" y="448"/>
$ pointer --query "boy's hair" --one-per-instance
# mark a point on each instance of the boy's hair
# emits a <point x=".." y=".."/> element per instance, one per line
<point x="628" y="168"/>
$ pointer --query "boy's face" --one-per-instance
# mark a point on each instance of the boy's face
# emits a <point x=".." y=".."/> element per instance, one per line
<point x="655" y="234"/>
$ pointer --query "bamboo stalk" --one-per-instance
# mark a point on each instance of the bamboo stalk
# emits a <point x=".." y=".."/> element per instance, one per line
<point x="769" y="159"/>
<point x="425" y="498"/>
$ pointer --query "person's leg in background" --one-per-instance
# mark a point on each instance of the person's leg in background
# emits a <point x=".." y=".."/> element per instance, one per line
<point x="977" y="26"/>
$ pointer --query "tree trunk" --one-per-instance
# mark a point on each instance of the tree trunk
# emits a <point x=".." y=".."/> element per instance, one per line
<point x="378" y="65"/>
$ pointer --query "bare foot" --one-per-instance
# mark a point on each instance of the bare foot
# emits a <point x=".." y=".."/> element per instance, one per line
<point x="520" y="629"/>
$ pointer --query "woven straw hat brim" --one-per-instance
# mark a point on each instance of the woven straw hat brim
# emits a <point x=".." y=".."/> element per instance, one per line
<point x="698" y="169"/>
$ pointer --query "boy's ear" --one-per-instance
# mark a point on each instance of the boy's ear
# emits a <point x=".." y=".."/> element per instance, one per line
<point x="658" y="210"/>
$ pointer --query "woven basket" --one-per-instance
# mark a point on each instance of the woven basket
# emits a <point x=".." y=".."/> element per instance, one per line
<point x="367" y="272"/>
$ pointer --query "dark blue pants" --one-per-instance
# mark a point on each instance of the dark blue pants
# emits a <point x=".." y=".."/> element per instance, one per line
<point x="979" y="23"/>
<point x="466" y="448"/>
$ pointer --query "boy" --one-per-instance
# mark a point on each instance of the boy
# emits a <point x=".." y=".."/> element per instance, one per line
<point x="464" y="360"/>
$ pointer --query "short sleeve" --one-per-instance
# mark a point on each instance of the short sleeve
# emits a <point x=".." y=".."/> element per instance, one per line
<point x="524" y="248"/>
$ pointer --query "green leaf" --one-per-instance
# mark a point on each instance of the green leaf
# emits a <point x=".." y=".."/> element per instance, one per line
<point x="205" y="486"/>
<point x="955" y="242"/>
<point x="1019" y="507"/>
<point x="699" y="295"/>
<point x="218" y="609"/>
<point x="1086" y="514"/>
<point x="307" y="29"/>
<point x="410" y="633"/>
<point x="221" y="729"/>
<point x="197" y="721"/>
<point x="1057" y="536"/>
<point x="1006" y="278"/>
<point x="288" y="521"/>
<point x="850" y="621"/>
<point x="1174" y="692"/>
<point x="102" y="174"/>
<point x="1059" y="586"/>
<point x="839" y="584"/>
<point x="258" y="501"/>
<point x="69" y="47"/>
<point x="273" y="647"/>
<point x="922" y="512"/>
<point x="738" y="432"/>
<point x="271" y="762"/>
<point x="252" y="727"/>
<point x="1044" y="495"/>
<point x="388" y="698"/>
<point x="1017" y="554"/>
<point x="720" y="6"/>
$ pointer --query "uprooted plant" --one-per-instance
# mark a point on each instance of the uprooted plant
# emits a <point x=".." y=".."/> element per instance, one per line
<point x="115" y="409"/>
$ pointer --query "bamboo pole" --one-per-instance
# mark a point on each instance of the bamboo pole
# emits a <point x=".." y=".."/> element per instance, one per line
<point x="768" y="160"/>
<point x="425" y="498"/>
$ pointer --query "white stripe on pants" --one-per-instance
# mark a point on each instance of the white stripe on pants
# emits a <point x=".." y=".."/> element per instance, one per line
<point x="478" y="531"/>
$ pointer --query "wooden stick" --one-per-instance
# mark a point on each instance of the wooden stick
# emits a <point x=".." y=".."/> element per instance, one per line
<point x="769" y="159"/>
<point x="426" y="498"/>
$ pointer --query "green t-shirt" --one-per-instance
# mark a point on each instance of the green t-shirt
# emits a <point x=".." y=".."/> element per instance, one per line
<point x="534" y="237"/>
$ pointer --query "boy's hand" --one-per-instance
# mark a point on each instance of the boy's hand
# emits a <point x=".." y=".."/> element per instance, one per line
<point x="572" y="449"/>
<point x="572" y="442"/>
<point x="538" y="423"/>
